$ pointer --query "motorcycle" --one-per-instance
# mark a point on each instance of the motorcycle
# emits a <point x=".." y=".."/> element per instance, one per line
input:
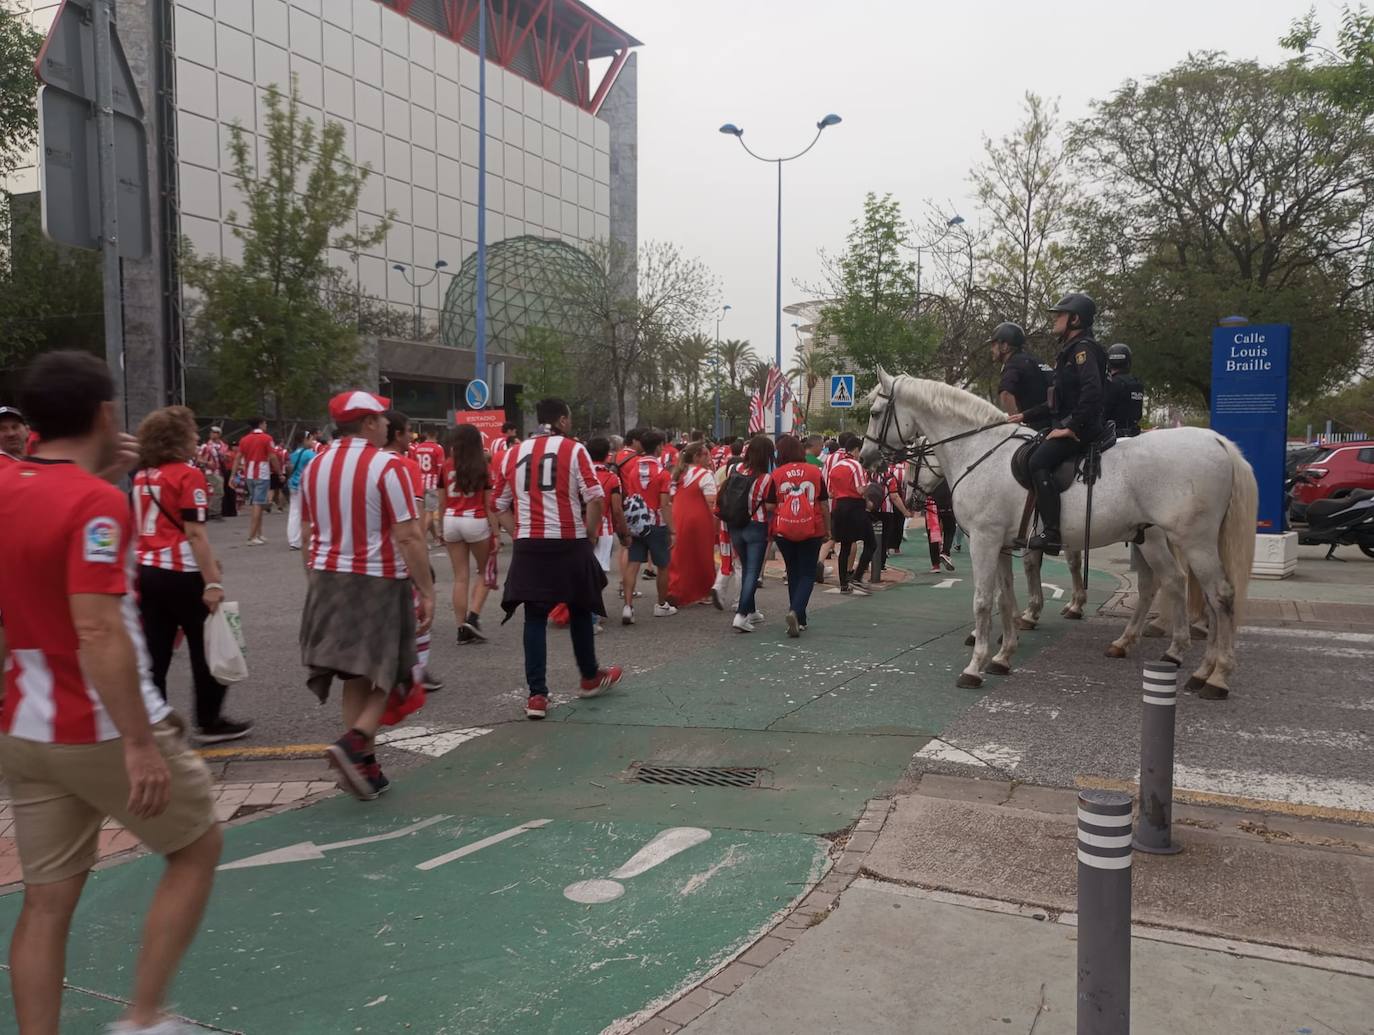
<point x="1344" y="519"/>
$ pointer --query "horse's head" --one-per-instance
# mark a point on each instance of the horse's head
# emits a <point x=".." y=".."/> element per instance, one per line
<point x="882" y="431"/>
<point x="928" y="471"/>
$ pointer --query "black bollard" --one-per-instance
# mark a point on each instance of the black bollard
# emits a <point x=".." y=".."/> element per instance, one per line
<point x="1104" y="913"/>
<point x="879" y="554"/>
<point x="1154" y="824"/>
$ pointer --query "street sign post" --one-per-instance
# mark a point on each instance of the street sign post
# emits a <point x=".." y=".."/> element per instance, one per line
<point x="842" y="391"/>
<point x="476" y="394"/>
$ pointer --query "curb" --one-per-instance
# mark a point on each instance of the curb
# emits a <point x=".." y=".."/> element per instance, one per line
<point x="809" y="911"/>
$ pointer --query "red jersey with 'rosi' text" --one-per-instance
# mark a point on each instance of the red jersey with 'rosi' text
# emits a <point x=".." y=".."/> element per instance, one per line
<point x="81" y="546"/>
<point x="547" y="480"/>
<point x="166" y="500"/>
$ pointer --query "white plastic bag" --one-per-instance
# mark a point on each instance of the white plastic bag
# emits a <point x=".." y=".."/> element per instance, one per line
<point x="224" y="647"/>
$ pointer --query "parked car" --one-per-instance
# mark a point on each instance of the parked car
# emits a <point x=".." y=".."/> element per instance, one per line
<point x="1335" y="470"/>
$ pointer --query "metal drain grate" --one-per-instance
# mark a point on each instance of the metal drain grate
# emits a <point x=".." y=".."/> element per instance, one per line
<point x="696" y="775"/>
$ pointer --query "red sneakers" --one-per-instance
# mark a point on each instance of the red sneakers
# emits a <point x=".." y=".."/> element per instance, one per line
<point x="537" y="707"/>
<point x="348" y="757"/>
<point x="598" y="684"/>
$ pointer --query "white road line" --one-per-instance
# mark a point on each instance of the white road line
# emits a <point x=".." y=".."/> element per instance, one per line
<point x="946" y="583"/>
<point x="982" y="755"/>
<point x="1309" y="634"/>
<point x="1058" y="591"/>
<point x="486" y="842"/>
<point x="307" y="850"/>
<point x="428" y="740"/>
<point x="1294" y="788"/>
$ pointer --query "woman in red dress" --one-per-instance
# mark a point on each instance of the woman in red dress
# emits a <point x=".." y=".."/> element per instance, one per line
<point x="693" y="567"/>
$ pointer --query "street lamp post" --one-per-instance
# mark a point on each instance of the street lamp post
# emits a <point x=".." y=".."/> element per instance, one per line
<point x="735" y="131"/>
<point x="950" y="225"/>
<point x="719" y="316"/>
<point x="419" y="286"/>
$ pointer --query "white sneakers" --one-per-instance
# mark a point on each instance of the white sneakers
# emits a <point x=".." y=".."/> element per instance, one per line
<point x="166" y="1026"/>
<point x="627" y="615"/>
<point x="741" y="623"/>
<point x="793" y="625"/>
<point x="257" y="541"/>
<point x="756" y="618"/>
<point x="664" y="610"/>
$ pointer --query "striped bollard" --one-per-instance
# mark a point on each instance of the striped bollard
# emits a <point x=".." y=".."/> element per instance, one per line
<point x="1154" y="825"/>
<point x="1104" y="913"/>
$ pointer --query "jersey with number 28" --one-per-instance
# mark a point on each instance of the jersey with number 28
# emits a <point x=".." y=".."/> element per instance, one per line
<point x="547" y="480"/>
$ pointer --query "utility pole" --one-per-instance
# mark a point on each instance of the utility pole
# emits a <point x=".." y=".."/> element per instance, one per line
<point x="109" y="213"/>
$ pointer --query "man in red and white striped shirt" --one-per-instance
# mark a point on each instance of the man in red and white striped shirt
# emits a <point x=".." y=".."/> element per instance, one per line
<point x="543" y="486"/>
<point x="397" y="436"/>
<point x="258" y="461"/>
<point x="365" y="548"/>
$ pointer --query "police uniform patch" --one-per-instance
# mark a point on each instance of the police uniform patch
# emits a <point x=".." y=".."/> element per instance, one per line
<point x="1081" y="357"/>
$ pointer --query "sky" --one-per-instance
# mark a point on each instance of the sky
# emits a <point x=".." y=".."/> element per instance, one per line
<point x="918" y="85"/>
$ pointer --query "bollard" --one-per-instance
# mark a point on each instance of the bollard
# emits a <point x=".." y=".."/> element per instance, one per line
<point x="1154" y="824"/>
<point x="1104" y="913"/>
<point x="879" y="554"/>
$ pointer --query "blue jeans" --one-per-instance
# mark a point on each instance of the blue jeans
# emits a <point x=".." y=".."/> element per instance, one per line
<point x="750" y="543"/>
<point x="537" y="647"/>
<point x="801" y="559"/>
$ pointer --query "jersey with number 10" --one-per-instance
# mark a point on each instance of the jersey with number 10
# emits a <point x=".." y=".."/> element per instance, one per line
<point x="547" y="480"/>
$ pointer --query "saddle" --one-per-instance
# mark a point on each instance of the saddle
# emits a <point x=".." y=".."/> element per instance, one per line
<point x="1086" y="467"/>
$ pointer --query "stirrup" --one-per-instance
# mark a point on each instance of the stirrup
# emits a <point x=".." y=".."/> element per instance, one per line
<point x="1046" y="543"/>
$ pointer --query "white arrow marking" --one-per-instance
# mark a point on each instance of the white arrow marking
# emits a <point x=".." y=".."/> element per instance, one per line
<point x="665" y="845"/>
<point x="486" y="842"/>
<point x="1056" y="590"/>
<point x="307" y="850"/>
<point x="946" y="583"/>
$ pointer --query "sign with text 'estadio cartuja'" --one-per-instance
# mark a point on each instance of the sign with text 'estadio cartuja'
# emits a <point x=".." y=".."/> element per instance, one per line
<point x="1250" y="406"/>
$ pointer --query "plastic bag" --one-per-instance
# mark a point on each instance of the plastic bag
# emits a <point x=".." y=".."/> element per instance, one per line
<point x="224" y="646"/>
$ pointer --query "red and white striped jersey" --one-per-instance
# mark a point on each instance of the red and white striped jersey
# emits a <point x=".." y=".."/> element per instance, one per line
<point x="846" y="479"/>
<point x="462" y="504"/>
<point x="166" y="499"/>
<point x="647" y="477"/>
<point x="256" y="449"/>
<point x="414" y="479"/>
<point x="547" y="480"/>
<point x="430" y="457"/>
<point x="610" y="486"/>
<point x="352" y="495"/>
<point x="67" y="533"/>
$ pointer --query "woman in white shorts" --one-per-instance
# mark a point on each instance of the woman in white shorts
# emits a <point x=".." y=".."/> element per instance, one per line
<point x="470" y="529"/>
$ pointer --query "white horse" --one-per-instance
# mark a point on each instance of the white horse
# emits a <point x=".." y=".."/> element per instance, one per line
<point x="1186" y="488"/>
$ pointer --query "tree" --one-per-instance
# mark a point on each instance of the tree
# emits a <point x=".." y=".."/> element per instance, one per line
<point x="1023" y="185"/>
<point x="635" y="305"/>
<point x="1345" y="72"/>
<point x="1227" y="187"/>
<point x="736" y="356"/>
<point x="278" y="342"/>
<point x="813" y="365"/>
<point x="18" y="95"/>
<point x="546" y="369"/>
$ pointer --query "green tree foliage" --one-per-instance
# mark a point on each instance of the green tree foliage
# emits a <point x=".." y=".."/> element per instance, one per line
<point x="873" y="287"/>
<point x="18" y="93"/>
<point x="545" y="369"/>
<point x="812" y="367"/>
<point x="279" y="340"/>
<point x="1345" y="71"/>
<point x="1227" y="187"/>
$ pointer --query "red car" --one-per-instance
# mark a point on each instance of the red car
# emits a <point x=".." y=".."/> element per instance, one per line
<point x="1343" y="465"/>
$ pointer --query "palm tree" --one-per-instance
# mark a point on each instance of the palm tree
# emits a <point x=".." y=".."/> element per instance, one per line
<point x="812" y="367"/>
<point x="736" y="356"/>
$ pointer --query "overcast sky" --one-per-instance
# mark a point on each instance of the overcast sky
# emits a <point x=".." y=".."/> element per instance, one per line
<point x="918" y="85"/>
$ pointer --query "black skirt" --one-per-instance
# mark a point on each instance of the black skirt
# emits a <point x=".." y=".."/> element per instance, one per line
<point x="554" y="571"/>
<point x="850" y="519"/>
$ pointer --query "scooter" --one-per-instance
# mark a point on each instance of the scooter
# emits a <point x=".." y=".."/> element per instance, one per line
<point x="1345" y="519"/>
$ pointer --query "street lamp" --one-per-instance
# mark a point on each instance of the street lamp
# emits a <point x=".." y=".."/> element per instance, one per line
<point x="719" y="316"/>
<point x="735" y="131"/>
<point x="419" y="286"/>
<point x="950" y="224"/>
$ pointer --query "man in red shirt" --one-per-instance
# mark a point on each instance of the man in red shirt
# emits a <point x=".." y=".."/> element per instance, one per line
<point x="510" y="438"/>
<point x="84" y="733"/>
<point x="850" y="522"/>
<point x="258" y="461"/>
<point x="365" y="550"/>
<point x="646" y="477"/>
<point x="13" y="432"/>
<point x="429" y="456"/>
<point x="545" y="485"/>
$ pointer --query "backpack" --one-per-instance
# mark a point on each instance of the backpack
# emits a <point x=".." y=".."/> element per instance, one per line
<point x="638" y="520"/>
<point x="734" y="507"/>
<point x="797" y="517"/>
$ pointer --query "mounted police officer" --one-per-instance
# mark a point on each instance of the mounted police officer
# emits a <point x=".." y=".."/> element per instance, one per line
<point x="1075" y="406"/>
<point x="1125" y="392"/>
<point x="1023" y="385"/>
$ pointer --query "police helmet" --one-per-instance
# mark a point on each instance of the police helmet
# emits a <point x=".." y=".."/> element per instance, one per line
<point x="1079" y="305"/>
<point x="1009" y="334"/>
<point x="1119" y="357"/>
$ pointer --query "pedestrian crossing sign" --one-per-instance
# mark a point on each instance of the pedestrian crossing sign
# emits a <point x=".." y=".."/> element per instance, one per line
<point x="842" y="390"/>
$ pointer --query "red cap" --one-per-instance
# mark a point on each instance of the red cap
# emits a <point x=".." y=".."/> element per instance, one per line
<point x="351" y="406"/>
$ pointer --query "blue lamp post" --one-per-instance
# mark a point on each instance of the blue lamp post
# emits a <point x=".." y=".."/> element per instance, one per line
<point x="719" y="316"/>
<point x="735" y="131"/>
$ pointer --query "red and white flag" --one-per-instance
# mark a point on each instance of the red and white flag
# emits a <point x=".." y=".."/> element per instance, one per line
<point x="755" y="414"/>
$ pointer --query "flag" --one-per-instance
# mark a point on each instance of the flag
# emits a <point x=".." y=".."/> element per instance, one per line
<point x="755" y="414"/>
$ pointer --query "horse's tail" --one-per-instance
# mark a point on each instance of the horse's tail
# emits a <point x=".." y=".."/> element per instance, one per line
<point x="1236" y="540"/>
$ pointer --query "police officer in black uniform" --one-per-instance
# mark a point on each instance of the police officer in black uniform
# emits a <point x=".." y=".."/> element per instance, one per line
<point x="1023" y="386"/>
<point x="1125" y="392"/>
<point x="1075" y="406"/>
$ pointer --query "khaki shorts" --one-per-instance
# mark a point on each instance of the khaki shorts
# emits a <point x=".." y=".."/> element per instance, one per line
<point x="63" y="792"/>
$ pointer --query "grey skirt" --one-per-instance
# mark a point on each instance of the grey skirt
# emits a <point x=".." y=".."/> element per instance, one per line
<point x="357" y="626"/>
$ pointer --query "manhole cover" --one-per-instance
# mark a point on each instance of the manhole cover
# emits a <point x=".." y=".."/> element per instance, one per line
<point x="696" y="775"/>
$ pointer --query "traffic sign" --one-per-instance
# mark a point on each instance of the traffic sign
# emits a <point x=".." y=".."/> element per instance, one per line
<point x="477" y="394"/>
<point x="842" y="390"/>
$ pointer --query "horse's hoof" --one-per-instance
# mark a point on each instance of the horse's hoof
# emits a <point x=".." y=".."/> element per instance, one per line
<point x="968" y="682"/>
<point x="1194" y="684"/>
<point x="1212" y="692"/>
<point x="996" y="668"/>
<point x="970" y="641"/>
<point x="1170" y="659"/>
<point x="1155" y="632"/>
<point x="1198" y="632"/>
<point x="1075" y="616"/>
<point x="1113" y="651"/>
<point x="1025" y="624"/>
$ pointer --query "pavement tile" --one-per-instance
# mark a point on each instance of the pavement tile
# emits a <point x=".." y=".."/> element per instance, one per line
<point x="731" y="978"/>
<point x="690" y="1006"/>
<point x="765" y="949"/>
<point x="817" y="902"/>
<point x="656" y="1026"/>
<point x="224" y="812"/>
<point x="788" y="933"/>
<point x="862" y="841"/>
<point x="293" y="791"/>
<point x="263" y="794"/>
<point x="993" y="792"/>
<point x="233" y="794"/>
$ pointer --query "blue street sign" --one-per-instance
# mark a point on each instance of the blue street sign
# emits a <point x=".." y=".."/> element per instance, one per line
<point x="842" y="390"/>
<point x="1250" y="406"/>
<point x="477" y="394"/>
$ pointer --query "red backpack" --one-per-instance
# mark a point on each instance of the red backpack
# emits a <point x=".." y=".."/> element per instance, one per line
<point x="798" y="515"/>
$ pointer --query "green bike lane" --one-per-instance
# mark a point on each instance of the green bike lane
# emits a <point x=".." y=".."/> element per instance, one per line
<point x="525" y="882"/>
